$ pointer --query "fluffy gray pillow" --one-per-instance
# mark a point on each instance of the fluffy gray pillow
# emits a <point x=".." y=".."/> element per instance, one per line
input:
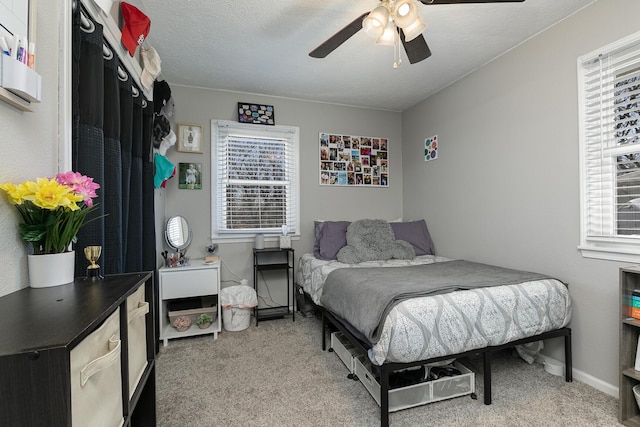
<point x="373" y="239"/>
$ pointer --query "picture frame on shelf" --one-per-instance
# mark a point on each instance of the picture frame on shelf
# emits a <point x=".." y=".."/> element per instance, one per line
<point x="189" y="138"/>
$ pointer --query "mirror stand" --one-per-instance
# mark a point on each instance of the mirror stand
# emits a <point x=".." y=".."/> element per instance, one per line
<point x="178" y="235"/>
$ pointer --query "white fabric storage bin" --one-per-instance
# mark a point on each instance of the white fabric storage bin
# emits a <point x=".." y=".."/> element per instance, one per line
<point x="96" y="377"/>
<point x="421" y="393"/>
<point x="137" y="309"/>
<point x="346" y="351"/>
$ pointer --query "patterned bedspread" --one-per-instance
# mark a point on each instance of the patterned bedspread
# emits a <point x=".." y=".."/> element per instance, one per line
<point x="440" y="325"/>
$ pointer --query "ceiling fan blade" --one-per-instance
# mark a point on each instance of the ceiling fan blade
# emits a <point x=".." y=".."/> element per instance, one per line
<point x="468" y="1"/>
<point x="338" y="38"/>
<point x="417" y="49"/>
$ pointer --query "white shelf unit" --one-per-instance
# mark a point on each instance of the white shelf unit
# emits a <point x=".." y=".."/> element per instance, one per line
<point x="195" y="280"/>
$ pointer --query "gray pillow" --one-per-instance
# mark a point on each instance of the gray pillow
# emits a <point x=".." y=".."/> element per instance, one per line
<point x="416" y="233"/>
<point x="331" y="236"/>
<point x="373" y="239"/>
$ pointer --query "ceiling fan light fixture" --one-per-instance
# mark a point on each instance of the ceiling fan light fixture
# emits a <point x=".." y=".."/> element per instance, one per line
<point x="405" y="13"/>
<point x="414" y="30"/>
<point x="376" y="21"/>
<point x="389" y="35"/>
<point x="372" y="29"/>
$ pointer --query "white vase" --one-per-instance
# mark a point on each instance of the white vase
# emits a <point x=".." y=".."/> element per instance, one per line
<point x="51" y="269"/>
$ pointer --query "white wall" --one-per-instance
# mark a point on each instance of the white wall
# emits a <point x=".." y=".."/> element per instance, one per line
<point x="505" y="188"/>
<point x="29" y="145"/>
<point x="200" y="106"/>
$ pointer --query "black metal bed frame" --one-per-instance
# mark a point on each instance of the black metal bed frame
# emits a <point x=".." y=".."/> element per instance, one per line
<point x="386" y="369"/>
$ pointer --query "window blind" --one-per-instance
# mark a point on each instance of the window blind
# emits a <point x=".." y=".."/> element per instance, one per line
<point x="610" y="137"/>
<point x="256" y="189"/>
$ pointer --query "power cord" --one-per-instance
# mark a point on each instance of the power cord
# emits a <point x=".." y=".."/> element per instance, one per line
<point x="268" y="301"/>
<point x="239" y="281"/>
<point x="270" y="298"/>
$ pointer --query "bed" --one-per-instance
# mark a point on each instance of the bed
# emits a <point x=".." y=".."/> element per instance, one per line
<point x="485" y="309"/>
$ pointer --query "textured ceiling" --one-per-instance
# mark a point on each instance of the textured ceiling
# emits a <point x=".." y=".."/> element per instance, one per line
<point x="262" y="47"/>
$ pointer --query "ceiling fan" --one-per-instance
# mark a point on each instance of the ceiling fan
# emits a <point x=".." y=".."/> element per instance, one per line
<point x="392" y="21"/>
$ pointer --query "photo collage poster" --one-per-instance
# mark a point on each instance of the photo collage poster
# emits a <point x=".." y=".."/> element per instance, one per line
<point x="353" y="160"/>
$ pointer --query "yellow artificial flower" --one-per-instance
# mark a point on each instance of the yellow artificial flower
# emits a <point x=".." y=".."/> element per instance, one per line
<point x="52" y="210"/>
<point x="49" y="194"/>
<point x="16" y="193"/>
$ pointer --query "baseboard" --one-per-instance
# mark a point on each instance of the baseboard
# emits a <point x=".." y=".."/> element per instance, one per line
<point x="583" y="377"/>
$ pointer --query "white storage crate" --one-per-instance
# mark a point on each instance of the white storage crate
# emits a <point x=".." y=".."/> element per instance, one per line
<point x="346" y="351"/>
<point x="421" y="393"/>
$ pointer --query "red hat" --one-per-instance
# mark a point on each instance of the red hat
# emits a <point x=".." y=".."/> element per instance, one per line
<point x="136" y="27"/>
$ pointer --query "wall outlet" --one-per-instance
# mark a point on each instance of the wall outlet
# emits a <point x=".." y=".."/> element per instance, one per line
<point x="244" y="282"/>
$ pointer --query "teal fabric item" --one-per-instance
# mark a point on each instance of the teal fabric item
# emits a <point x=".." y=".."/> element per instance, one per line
<point x="164" y="170"/>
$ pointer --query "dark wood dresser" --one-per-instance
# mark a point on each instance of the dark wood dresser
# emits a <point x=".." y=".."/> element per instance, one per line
<point x="79" y="354"/>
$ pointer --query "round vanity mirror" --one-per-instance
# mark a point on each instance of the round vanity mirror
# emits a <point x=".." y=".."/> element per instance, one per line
<point x="178" y="233"/>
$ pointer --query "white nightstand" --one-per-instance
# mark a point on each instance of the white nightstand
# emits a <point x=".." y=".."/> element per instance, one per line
<point x="195" y="280"/>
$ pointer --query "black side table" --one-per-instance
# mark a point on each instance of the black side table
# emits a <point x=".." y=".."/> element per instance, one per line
<point x="275" y="259"/>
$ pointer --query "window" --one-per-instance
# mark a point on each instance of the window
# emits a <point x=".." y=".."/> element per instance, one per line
<point x="609" y="83"/>
<point x="255" y="179"/>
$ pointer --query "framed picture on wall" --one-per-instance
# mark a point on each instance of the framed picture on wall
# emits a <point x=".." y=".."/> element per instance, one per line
<point x="190" y="176"/>
<point x="258" y="114"/>
<point x="189" y="138"/>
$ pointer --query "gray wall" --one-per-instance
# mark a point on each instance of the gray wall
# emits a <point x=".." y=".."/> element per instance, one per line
<point x="505" y="188"/>
<point x="200" y="106"/>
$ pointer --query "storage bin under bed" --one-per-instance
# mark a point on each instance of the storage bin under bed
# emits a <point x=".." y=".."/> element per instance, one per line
<point x="407" y="396"/>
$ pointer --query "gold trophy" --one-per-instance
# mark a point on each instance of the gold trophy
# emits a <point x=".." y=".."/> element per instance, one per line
<point x="92" y="253"/>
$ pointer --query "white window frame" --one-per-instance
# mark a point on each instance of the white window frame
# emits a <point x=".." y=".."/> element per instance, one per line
<point x="609" y="245"/>
<point x="218" y="231"/>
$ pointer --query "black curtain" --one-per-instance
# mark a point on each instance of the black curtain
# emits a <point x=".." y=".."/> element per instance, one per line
<point x="112" y="128"/>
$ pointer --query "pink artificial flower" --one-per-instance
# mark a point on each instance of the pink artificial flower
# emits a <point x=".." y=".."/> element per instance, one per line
<point x="82" y="185"/>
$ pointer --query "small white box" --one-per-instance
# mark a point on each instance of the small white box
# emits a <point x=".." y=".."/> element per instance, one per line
<point x="20" y="79"/>
<point x="285" y="242"/>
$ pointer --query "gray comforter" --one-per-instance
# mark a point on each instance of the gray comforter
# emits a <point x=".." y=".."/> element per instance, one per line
<point x="364" y="297"/>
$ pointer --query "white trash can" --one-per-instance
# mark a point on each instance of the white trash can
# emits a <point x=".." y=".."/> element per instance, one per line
<point x="237" y="304"/>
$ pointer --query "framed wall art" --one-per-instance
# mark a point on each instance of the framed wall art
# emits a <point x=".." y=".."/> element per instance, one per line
<point x="348" y="160"/>
<point x="431" y="148"/>
<point x="189" y="138"/>
<point x="258" y="114"/>
<point x="190" y="176"/>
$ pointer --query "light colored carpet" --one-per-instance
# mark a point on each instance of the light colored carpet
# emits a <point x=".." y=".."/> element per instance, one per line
<point x="276" y="374"/>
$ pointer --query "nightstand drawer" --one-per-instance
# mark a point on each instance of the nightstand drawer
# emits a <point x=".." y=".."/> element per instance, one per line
<point x="189" y="283"/>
